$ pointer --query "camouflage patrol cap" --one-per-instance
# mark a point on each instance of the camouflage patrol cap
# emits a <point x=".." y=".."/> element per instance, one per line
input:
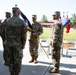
<point x="8" y="13"/>
<point x="16" y="9"/>
<point x="56" y="13"/>
<point x="34" y="16"/>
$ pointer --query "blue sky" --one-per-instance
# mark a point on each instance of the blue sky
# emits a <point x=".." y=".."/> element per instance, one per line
<point x="39" y="7"/>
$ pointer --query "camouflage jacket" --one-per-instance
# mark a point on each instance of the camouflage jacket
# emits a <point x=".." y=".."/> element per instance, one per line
<point x="15" y="32"/>
<point x="57" y="33"/>
<point x="38" y="30"/>
<point x="2" y="35"/>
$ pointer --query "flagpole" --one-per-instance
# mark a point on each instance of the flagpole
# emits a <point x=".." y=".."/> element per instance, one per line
<point x="63" y="14"/>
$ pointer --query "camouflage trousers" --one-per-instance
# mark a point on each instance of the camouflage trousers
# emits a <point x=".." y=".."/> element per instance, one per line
<point x="33" y="48"/>
<point x="6" y="55"/>
<point x="56" y="56"/>
<point x="15" y="56"/>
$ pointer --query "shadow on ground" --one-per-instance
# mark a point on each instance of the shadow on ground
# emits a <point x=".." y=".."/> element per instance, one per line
<point x="62" y="72"/>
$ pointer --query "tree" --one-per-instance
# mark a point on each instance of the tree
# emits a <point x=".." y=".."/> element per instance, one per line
<point x="73" y="19"/>
<point x="44" y="18"/>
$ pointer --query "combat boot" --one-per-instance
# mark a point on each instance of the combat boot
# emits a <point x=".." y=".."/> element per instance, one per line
<point x="32" y="60"/>
<point x="6" y="63"/>
<point x="35" y="60"/>
<point x="54" y="70"/>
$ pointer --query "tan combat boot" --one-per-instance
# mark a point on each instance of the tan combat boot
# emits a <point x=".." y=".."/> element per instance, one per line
<point x="32" y="60"/>
<point x="35" y="60"/>
<point x="54" y="70"/>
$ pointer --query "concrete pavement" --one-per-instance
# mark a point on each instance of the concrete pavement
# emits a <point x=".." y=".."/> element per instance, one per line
<point x="67" y="65"/>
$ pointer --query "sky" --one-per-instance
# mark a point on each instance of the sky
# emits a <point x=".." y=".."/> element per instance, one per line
<point x="38" y="7"/>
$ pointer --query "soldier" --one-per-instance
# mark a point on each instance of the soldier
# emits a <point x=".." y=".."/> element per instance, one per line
<point x="15" y="38"/>
<point x="57" y="37"/>
<point x="5" y="52"/>
<point x="33" y="43"/>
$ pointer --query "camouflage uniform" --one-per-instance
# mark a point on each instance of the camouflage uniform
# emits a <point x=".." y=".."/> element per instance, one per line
<point x="57" y="42"/>
<point x="15" y="38"/>
<point x="5" y="52"/>
<point x="57" y="37"/>
<point x="33" y="43"/>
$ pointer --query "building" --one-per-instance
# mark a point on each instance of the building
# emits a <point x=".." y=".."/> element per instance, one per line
<point x="47" y="24"/>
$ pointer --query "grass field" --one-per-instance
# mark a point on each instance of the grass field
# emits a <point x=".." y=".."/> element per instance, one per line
<point x="67" y="36"/>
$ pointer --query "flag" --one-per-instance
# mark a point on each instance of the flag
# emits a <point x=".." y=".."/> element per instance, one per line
<point x="65" y="22"/>
<point x="68" y="25"/>
<point x="26" y="20"/>
<point x="68" y="28"/>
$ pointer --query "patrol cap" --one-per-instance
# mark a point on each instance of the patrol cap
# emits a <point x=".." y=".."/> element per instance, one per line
<point x="15" y="9"/>
<point x="56" y="13"/>
<point x="34" y="16"/>
<point x="8" y="13"/>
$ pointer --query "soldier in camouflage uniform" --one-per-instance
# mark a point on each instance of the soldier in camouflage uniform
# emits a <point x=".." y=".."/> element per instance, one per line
<point x="5" y="52"/>
<point x="33" y="43"/>
<point x="15" y="38"/>
<point x="57" y="37"/>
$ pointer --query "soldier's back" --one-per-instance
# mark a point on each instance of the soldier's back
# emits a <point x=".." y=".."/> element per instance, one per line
<point x="13" y="30"/>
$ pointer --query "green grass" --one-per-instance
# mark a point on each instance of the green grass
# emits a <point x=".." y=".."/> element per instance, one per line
<point x="46" y="33"/>
<point x="67" y="36"/>
<point x="70" y="36"/>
